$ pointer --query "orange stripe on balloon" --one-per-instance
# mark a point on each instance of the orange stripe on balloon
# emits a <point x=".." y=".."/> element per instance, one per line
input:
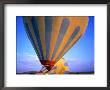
<point x="82" y="22"/>
<point x="41" y="26"/>
<point x="55" y="31"/>
<point x="67" y="35"/>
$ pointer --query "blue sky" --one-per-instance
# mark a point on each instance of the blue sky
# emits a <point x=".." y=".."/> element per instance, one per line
<point x="80" y="57"/>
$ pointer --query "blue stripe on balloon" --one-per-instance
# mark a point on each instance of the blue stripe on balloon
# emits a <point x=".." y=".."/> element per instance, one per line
<point x="77" y="29"/>
<point x="63" y="29"/>
<point x="48" y="31"/>
<point x="36" y="31"/>
<point x="31" y="39"/>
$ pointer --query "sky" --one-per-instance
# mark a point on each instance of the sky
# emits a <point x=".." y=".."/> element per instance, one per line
<point x="80" y="57"/>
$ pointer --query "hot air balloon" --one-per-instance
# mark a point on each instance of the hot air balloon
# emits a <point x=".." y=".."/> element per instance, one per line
<point x="53" y="36"/>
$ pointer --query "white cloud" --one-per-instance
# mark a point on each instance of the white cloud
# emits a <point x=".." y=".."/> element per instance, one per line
<point x="27" y="57"/>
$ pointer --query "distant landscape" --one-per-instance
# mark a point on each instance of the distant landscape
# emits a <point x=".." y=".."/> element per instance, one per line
<point x="35" y="72"/>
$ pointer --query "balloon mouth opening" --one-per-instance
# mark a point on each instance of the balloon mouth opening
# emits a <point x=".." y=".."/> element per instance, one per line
<point x="48" y="64"/>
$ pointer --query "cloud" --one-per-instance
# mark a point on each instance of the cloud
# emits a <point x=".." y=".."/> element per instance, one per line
<point x="26" y="56"/>
<point x="71" y="59"/>
<point x="27" y="62"/>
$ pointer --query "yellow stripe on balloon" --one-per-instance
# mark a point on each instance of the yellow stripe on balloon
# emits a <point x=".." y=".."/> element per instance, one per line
<point x="41" y="26"/>
<point x="71" y="28"/>
<point x="82" y="22"/>
<point x="55" y="31"/>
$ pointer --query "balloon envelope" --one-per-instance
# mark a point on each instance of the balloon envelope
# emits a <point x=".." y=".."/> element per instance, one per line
<point x="53" y="36"/>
